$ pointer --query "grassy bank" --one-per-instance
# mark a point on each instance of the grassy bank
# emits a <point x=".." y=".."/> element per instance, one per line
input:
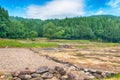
<point x="45" y="43"/>
<point x="116" y="77"/>
<point x="97" y="44"/>
<point x="26" y="44"/>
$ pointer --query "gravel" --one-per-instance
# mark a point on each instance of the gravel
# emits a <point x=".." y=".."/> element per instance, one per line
<point x="14" y="59"/>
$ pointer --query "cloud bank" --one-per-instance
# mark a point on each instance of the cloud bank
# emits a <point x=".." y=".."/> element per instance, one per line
<point x="114" y="7"/>
<point x="56" y="9"/>
<point x="114" y="3"/>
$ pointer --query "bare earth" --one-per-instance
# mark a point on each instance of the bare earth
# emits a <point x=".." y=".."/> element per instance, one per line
<point x="12" y="59"/>
<point x="105" y="59"/>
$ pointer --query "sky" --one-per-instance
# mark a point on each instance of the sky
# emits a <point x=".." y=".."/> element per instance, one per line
<point x="50" y="9"/>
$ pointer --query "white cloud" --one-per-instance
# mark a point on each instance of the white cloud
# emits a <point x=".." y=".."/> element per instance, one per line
<point x="114" y="7"/>
<point x="56" y="9"/>
<point x="114" y="3"/>
<point x="99" y="12"/>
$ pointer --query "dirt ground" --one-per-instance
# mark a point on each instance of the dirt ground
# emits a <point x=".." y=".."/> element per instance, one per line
<point x="15" y="59"/>
<point x="105" y="59"/>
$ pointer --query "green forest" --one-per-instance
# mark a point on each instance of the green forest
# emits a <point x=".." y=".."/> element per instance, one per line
<point x="97" y="27"/>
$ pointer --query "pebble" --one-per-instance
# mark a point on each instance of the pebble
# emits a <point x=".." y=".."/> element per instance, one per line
<point x="59" y="73"/>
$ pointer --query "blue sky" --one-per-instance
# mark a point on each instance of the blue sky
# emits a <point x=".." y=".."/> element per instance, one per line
<point x="47" y="9"/>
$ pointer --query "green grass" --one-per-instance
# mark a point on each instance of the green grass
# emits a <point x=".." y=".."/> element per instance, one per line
<point x="87" y="43"/>
<point x="116" y="77"/>
<point x="52" y="43"/>
<point x="97" y="44"/>
<point x="71" y="41"/>
<point x="32" y="44"/>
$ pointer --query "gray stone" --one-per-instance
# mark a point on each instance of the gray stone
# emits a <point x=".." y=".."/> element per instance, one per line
<point x="42" y="70"/>
<point x="98" y="76"/>
<point x="106" y="74"/>
<point x="87" y="73"/>
<point x="86" y="70"/>
<point x="71" y="77"/>
<point x="99" y="72"/>
<point x="52" y="71"/>
<point x="92" y="71"/>
<point x="47" y="75"/>
<point x="25" y="72"/>
<point x="15" y="74"/>
<point x="25" y="77"/>
<point x="90" y="77"/>
<point x="16" y="78"/>
<point x="34" y="75"/>
<point x="60" y="70"/>
<point x="37" y="78"/>
<point x="62" y="78"/>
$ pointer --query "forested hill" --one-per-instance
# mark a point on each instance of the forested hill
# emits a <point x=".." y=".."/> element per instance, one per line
<point x="99" y="27"/>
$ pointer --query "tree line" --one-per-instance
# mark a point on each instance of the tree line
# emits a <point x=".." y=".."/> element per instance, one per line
<point x="99" y="27"/>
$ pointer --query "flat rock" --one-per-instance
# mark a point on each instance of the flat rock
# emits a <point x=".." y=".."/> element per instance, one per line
<point x="25" y="77"/>
<point x="47" y="75"/>
<point x="42" y="70"/>
<point x="37" y="78"/>
<point x="34" y="75"/>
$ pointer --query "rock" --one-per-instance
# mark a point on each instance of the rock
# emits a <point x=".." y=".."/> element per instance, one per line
<point x="16" y="78"/>
<point x="27" y="68"/>
<point x="64" y="46"/>
<point x="34" y="75"/>
<point x="99" y="72"/>
<point x="87" y="73"/>
<point x="47" y="75"/>
<point x="92" y="71"/>
<point x="25" y="77"/>
<point x="103" y="75"/>
<point x="60" y="70"/>
<point x="71" y="77"/>
<point x="42" y="70"/>
<point x="54" y="78"/>
<point x="2" y="76"/>
<point x="62" y="78"/>
<point x="90" y="77"/>
<point x="72" y="68"/>
<point x="86" y="70"/>
<point x="37" y="78"/>
<point x="58" y="73"/>
<point x="106" y="74"/>
<point x="25" y="72"/>
<point x="15" y="74"/>
<point x="98" y="76"/>
<point x="52" y="71"/>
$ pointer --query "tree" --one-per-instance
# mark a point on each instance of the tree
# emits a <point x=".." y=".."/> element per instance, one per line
<point x="33" y="34"/>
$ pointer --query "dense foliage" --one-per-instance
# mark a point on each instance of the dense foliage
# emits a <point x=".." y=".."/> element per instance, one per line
<point x="13" y="28"/>
<point x="100" y="27"/>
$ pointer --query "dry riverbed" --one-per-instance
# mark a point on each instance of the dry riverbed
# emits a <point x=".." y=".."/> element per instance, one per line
<point x="104" y="59"/>
<point x="92" y="63"/>
<point x="14" y="59"/>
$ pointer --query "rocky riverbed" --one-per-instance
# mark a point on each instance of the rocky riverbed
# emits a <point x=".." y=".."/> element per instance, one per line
<point x="55" y="73"/>
<point x="26" y="64"/>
